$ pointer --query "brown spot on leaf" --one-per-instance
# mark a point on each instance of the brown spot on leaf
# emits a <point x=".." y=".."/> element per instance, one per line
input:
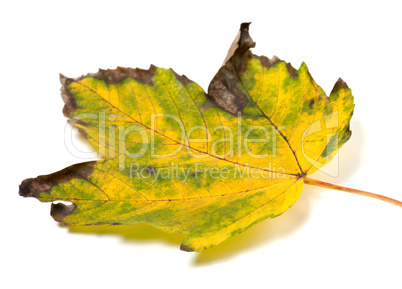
<point x="225" y="92"/>
<point x="68" y="98"/>
<point x="34" y="186"/>
<point x="186" y="248"/>
<point x="59" y="211"/>
<point x="109" y="76"/>
<point x="311" y="104"/>
<point x="268" y="62"/>
<point x="340" y="84"/>
<point x="224" y="88"/>
<point x="292" y="71"/>
<point x="182" y="78"/>
<point x="150" y="170"/>
<point x="116" y="76"/>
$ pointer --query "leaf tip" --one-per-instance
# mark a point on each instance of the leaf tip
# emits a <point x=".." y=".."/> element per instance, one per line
<point x="224" y="87"/>
<point x="59" y="211"/>
<point x="32" y="187"/>
<point x="186" y="248"/>
<point x="64" y="80"/>
<point x="292" y="71"/>
<point x="245" y="39"/>
<point x="153" y="68"/>
<point x="340" y="84"/>
<point x="181" y="78"/>
<point x="29" y="188"/>
<point x="70" y="104"/>
<point x="245" y="25"/>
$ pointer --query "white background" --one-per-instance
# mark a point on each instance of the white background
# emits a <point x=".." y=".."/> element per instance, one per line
<point x="328" y="239"/>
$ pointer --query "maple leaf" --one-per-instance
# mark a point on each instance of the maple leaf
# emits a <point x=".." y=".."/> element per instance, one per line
<point x="209" y="165"/>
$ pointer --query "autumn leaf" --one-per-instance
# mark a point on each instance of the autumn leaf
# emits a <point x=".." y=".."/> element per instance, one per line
<point x="209" y="165"/>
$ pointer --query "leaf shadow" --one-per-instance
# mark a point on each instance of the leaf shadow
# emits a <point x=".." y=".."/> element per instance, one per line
<point x="139" y="233"/>
<point x="261" y="234"/>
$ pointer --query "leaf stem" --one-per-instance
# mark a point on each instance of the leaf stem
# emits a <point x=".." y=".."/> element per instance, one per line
<point x="317" y="183"/>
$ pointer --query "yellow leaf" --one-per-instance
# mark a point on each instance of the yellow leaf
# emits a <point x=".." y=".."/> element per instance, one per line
<point x="207" y="165"/>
